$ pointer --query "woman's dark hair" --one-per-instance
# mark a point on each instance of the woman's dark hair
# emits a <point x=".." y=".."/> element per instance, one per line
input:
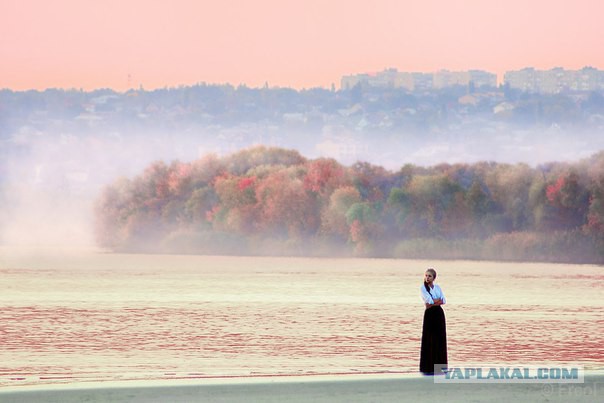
<point x="431" y="270"/>
<point x="428" y="288"/>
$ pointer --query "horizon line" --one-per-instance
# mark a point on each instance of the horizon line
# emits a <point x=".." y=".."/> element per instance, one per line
<point x="331" y="87"/>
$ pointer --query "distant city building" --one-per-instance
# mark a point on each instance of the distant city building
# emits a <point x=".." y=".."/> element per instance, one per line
<point x="555" y="80"/>
<point x="482" y="78"/>
<point x="524" y="80"/>
<point x="446" y="78"/>
<point x="551" y="81"/>
<point x="422" y="81"/>
<point x="588" y="79"/>
<point x="391" y="78"/>
<point x="479" y="78"/>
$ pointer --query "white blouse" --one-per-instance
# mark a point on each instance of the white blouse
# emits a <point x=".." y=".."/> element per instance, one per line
<point x="436" y="292"/>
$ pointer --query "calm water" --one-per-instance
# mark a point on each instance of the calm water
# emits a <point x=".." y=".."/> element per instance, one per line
<point x="67" y="317"/>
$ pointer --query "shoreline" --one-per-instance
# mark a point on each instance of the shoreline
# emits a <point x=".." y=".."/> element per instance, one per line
<point x="214" y="379"/>
<point x="303" y="388"/>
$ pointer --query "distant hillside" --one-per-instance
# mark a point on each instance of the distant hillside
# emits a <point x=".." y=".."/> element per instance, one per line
<point x="380" y="125"/>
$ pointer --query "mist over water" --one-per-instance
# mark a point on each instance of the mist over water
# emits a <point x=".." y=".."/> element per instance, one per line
<point x="49" y="189"/>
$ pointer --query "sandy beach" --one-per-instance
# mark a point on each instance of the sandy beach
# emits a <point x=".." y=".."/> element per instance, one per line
<point x="341" y="388"/>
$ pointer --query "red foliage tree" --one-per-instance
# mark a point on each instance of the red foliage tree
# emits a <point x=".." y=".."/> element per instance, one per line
<point x="156" y="177"/>
<point x="553" y="192"/>
<point x="323" y="176"/>
<point x="237" y="199"/>
<point x="179" y="179"/>
<point x="285" y="206"/>
<point x="570" y="200"/>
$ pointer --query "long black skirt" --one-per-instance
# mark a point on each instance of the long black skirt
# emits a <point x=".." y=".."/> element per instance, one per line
<point x="434" y="342"/>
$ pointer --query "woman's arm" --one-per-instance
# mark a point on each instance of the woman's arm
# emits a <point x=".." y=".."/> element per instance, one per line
<point x="437" y="302"/>
<point x="442" y="298"/>
<point x="426" y="297"/>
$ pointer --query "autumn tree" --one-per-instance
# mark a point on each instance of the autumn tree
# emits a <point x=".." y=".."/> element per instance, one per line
<point x="334" y="220"/>
<point x="285" y="207"/>
<point x="112" y="210"/>
<point x="323" y="176"/>
<point x="240" y="162"/>
<point x="236" y="209"/>
<point x="432" y="198"/>
<point x="373" y="182"/>
<point x="365" y="229"/>
<point x="570" y="201"/>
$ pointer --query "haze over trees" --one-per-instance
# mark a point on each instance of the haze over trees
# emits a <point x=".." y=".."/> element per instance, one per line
<point x="274" y="201"/>
<point x="58" y="148"/>
<point x="453" y="124"/>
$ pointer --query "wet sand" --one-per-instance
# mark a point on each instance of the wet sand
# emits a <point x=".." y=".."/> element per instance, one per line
<point x="342" y="388"/>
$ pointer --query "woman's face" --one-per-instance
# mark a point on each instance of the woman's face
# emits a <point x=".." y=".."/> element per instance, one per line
<point x="428" y="277"/>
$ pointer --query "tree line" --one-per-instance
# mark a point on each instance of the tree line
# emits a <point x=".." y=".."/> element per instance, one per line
<point x="274" y="201"/>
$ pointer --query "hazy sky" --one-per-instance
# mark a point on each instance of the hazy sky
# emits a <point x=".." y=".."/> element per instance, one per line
<point x="295" y="43"/>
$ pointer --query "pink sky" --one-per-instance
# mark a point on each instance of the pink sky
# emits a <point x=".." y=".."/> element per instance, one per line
<point x="303" y="43"/>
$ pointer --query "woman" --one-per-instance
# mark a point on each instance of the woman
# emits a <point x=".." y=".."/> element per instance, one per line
<point x="434" y="332"/>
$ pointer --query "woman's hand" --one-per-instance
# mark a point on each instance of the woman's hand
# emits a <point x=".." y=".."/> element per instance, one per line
<point x="437" y="302"/>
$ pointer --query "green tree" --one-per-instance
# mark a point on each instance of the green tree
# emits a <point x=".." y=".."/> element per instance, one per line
<point x="333" y="220"/>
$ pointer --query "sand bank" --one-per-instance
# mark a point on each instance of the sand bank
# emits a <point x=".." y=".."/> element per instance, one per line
<point x="343" y="388"/>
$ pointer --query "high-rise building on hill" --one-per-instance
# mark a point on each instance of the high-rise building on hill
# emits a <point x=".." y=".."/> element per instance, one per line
<point x="392" y="78"/>
<point x="551" y="81"/>
<point x="555" y="80"/>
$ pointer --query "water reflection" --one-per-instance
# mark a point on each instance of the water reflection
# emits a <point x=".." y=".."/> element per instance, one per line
<point x="103" y="316"/>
